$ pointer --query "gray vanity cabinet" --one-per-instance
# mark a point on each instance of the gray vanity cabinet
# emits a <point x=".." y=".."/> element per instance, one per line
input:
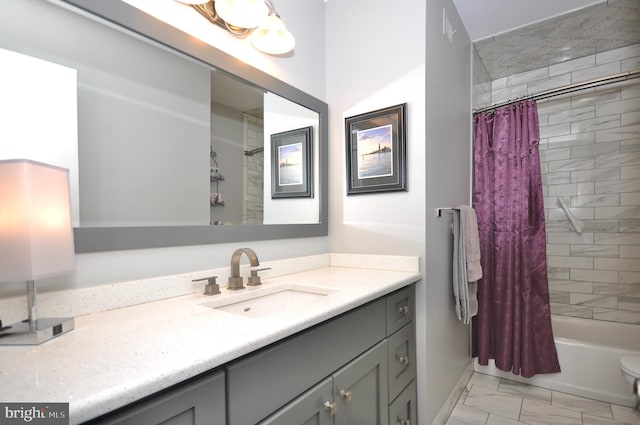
<point x="404" y="410"/>
<point x="355" y="394"/>
<point x="360" y="389"/>
<point x="273" y="377"/>
<point x="197" y="402"/>
<point x="401" y="354"/>
<point x="314" y="407"/>
<point x="357" y="368"/>
<point x="377" y="387"/>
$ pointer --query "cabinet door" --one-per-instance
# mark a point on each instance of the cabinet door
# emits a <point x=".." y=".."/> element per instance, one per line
<point x="200" y="402"/>
<point x="273" y="377"/>
<point x="360" y="389"/>
<point x="403" y="411"/>
<point x="315" y="407"/>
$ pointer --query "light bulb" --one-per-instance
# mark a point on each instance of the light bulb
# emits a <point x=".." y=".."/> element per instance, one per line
<point x="273" y="37"/>
<point x="193" y="1"/>
<point x="242" y="13"/>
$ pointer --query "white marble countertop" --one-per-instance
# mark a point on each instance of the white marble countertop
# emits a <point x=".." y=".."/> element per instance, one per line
<point x="115" y="357"/>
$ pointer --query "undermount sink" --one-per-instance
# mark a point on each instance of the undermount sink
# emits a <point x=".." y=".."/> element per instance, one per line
<point x="267" y="301"/>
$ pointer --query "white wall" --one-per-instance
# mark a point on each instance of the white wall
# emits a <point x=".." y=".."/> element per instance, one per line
<point x="376" y="58"/>
<point x="34" y="90"/>
<point x="280" y="115"/>
<point x="303" y="68"/>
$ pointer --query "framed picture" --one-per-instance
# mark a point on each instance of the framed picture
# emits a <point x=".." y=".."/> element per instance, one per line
<point x="376" y="151"/>
<point x="292" y="164"/>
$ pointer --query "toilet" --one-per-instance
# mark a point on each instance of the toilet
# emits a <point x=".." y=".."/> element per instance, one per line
<point x="630" y="367"/>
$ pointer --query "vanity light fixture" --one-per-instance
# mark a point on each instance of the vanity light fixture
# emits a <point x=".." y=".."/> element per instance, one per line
<point x="36" y="240"/>
<point x="256" y="19"/>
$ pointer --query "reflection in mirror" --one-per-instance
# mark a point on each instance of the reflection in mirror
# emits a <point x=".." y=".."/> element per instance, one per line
<point x="237" y="142"/>
<point x="39" y="114"/>
<point x="153" y="126"/>
<point x="163" y="140"/>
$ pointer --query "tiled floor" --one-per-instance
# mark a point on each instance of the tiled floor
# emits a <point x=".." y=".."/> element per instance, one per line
<point x="493" y="401"/>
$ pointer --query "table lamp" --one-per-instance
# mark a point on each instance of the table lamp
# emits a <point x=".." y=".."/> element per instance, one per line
<point x="36" y="240"/>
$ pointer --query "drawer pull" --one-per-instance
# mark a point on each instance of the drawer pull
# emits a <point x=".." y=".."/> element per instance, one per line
<point x="345" y="395"/>
<point x="404" y="309"/>
<point x="330" y="407"/>
<point x="404" y="421"/>
<point x="404" y="361"/>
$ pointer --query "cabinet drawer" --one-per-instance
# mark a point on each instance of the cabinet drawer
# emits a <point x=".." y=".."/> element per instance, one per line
<point x="404" y="410"/>
<point x="400" y="308"/>
<point x="279" y="373"/>
<point x="197" y="402"/>
<point x="309" y="408"/>
<point x="402" y="359"/>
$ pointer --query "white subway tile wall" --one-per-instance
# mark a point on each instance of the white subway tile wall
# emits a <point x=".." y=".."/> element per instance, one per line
<point x="590" y="154"/>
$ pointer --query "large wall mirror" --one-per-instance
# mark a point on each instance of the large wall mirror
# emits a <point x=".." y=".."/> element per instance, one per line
<point x="170" y="138"/>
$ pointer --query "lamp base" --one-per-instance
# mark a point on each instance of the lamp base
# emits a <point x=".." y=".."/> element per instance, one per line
<point x="46" y="329"/>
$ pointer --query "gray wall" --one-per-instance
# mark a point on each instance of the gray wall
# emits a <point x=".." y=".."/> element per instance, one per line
<point x="448" y="138"/>
<point x="139" y="108"/>
<point x="371" y="67"/>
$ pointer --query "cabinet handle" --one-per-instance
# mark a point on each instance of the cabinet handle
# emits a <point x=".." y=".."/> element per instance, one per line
<point x="404" y="361"/>
<point x="404" y="421"/>
<point x="345" y="395"/>
<point x="404" y="309"/>
<point x="330" y="407"/>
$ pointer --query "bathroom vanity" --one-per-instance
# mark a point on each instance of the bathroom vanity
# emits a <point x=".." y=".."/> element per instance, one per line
<point x="356" y="368"/>
<point x="347" y="354"/>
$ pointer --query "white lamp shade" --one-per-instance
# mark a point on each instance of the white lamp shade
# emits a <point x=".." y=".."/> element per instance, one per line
<point x="272" y="37"/>
<point x="242" y="13"/>
<point x="36" y="236"/>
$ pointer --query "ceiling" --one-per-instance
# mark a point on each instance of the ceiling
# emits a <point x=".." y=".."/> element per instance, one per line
<point x="484" y="18"/>
<point x="514" y="36"/>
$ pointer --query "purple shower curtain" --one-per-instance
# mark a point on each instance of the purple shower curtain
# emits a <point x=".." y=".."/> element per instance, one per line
<point x="513" y="325"/>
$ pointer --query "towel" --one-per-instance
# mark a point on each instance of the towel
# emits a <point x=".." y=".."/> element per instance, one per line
<point x="472" y="243"/>
<point x="459" y="268"/>
<point x="466" y="262"/>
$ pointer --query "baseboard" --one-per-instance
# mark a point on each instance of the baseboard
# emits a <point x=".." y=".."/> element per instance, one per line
<point x="450" y="404"/>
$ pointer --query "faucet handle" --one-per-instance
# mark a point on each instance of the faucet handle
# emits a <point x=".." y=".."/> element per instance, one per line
<point x="211" y="288"/>
<point x="254" y="279"/>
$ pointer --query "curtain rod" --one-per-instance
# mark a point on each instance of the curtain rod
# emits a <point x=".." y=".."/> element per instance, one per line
<point x="596" y="82"/>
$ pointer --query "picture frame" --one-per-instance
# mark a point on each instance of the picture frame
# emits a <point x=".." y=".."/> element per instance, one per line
<point x="292" y="164"/>
<point x="376" y="151"/>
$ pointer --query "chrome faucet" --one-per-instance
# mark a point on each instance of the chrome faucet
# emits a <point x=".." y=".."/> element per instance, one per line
<point x="235" y="280"/>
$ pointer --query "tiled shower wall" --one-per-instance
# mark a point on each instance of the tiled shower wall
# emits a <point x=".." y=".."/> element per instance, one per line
<point x="590" y="154"/>
<point x="253" y="209"/>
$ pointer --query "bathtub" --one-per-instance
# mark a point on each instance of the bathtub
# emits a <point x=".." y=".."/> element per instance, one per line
<point x="589" y="352"/>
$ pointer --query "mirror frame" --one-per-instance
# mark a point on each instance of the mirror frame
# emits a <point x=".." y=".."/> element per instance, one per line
<point x="100" y="239"/>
